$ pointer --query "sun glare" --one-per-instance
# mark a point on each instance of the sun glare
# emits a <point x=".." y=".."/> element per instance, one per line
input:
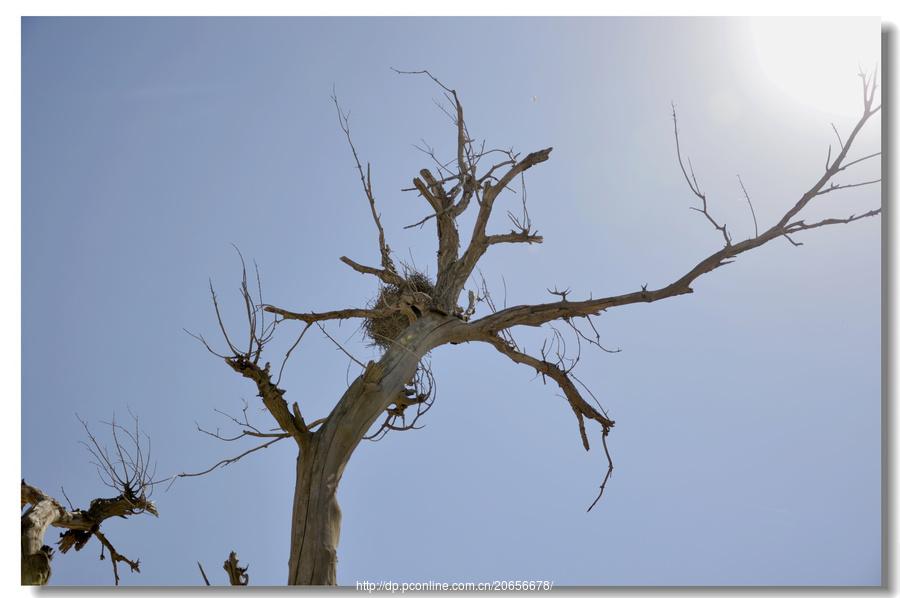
<point x="815" y="60"/>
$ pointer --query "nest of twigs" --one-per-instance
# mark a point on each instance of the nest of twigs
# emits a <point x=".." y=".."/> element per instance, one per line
<point x="385" y="329"/>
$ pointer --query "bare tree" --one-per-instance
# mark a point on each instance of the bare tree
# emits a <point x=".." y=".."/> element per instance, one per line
<point x="127" y="468"/>
<point x="414" y="315"/>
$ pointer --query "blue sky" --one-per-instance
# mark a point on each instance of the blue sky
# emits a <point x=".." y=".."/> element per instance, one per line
<point x="747" y="444"/>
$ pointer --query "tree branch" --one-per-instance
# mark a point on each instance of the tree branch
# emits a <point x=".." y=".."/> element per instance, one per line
<point x="514" y="237"/>
<point x="366" y="179"/>
<point x="229" y="461"/>
<point x="453" y="271"/>
<point x="694" y="186"/>
<point x="386" y="276"/>
<point x="581" y="408"/>
<point x="246" y="362"/>
<point x="457" y="275"/>
<point x="536" y="315"/>
<point x="312" y="317"/>
<point x="272" y="397"/>
<point x="115" y="557"/>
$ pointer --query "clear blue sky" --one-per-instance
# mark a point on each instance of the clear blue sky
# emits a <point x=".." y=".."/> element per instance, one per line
<point x="747" y="444"/>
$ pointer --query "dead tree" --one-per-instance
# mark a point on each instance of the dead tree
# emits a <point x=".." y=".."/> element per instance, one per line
<point x="127" y="469"/>
<point x="414" y="315"/>
<point x="237" y="575"/>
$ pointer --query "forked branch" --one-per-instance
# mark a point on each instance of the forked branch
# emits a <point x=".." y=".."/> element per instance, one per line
<point x="247" y="362"/>
<point x="464" y="182"/>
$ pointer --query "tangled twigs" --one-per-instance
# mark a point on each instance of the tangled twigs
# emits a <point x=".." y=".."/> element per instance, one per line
<point x="413" y="401"/>
<point x="396" y="307"/>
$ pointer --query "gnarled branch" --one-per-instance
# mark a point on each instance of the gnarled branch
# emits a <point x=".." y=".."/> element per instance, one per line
<point x="127" y="469"/>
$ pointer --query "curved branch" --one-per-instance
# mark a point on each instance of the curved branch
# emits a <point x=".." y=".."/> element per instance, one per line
<point x="229" y="461"/>
<point x="581" y="408"/>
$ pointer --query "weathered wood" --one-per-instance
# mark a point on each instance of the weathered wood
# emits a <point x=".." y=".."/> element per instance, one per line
<point x="35" y="555"/>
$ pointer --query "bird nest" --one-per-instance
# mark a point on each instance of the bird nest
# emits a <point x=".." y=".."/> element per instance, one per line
<point x="384" y="329"/>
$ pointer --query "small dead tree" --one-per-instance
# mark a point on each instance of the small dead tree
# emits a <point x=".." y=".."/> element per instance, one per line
<point x="413" y="315"/>
<point x="237" y="575"/>
<point x="127" y="469"/>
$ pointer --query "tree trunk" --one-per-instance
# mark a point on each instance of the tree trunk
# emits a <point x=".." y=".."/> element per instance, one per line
<point x="316" y="521"/>
<point x="36" y="556"/>
<point x="316" y="517"/>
